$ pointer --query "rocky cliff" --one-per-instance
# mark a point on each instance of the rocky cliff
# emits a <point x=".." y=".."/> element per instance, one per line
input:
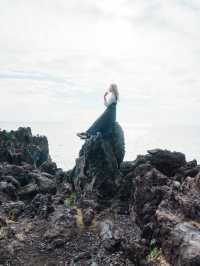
<point x="145" y="212"/>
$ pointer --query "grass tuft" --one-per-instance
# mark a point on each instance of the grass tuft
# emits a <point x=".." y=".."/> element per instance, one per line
<point x="154" y="254"/>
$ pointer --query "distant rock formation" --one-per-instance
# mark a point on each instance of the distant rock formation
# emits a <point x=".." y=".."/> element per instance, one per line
<point x="20" y="146"/>
<point x="103" y="212"/>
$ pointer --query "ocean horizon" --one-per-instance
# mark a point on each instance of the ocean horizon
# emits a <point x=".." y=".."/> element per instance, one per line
<point x="64" y="145"/>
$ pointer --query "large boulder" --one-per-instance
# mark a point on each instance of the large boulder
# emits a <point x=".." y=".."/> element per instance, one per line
<point x="166" y="161"/>
<point x="45" y="182"/>
<point x="12" y="209"/>
<point x="177" y="219"/>
<point x="28" y="191"/>
<point x="150" y="188"/>
<point x="96" y="171"/>
<point x="183" y="245"/>
<point x="49" y="167"/>
<point x="62" y="227"/>
<point x="40" y="206"/>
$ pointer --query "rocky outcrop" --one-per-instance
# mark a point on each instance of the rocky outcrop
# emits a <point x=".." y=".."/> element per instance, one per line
<point x="96" y="173"/>
<point x="165" y="161"/>
<point x="166" y="206"/>
<point x="21" y="146"/>
<point x="138" y="213"/>
<point x="178" y="218"/>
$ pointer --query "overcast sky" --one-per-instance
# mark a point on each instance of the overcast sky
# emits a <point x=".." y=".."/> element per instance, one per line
<point x="58" y="57"/>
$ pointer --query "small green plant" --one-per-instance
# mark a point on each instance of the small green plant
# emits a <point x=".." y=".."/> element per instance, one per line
<point x="154" y="254"/>
<point x="70" y="201"/>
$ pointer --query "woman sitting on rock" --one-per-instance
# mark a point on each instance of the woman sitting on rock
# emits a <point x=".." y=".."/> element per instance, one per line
<point x="104" y="124"/>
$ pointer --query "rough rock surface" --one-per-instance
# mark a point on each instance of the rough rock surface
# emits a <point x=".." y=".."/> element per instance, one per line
<point x="178" y="218"/>
<point x="96" y="172"/>
<point x="21" y="146"/>
<point x="145" y="213"/>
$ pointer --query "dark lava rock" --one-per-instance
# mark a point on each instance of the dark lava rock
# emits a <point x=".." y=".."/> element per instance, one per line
<point x="190" y="169"/>
<point x="8" y="189"/>
<point x="49" y="167"/>
<point x="12" y="180"/>
<point x="20" y="173"/>
<point x="166" y="161"/>
<point x="121" y="237"/>
<point x="113" y="215"/>
<point x="183" y="245"/>
<point x="45" y="183"/>
<point x="83" y="255"/>
<point x="110" y="235"/>
<point x="96" y="169"/>
<point x="13" y="209"/>
<point x="38" y="183"/>
<point x="20" y="146"/>
<point x="41" y="205"/>
<point x="178" y="218"/>
<point x="151" y="186"/>
<point x="62" y="227"/>
<point x="28" y="191"/>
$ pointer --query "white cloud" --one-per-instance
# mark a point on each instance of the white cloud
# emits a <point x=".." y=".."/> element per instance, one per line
<point x="57" y="57"/>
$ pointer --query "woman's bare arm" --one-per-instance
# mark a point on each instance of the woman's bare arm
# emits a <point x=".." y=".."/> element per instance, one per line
<point x="105" y="101"/>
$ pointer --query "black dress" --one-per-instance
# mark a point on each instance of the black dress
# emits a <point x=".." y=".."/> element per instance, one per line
<point x="105" y="122"/>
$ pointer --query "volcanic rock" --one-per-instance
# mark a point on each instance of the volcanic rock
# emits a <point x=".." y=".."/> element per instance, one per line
<point x="138" y="213"/>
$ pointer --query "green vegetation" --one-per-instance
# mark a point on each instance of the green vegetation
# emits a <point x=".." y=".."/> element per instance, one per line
<point x="154" y="254"/>
<point x="70" y="201"/>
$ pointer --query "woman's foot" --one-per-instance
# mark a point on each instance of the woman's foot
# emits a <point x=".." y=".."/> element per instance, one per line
<point x="83" y="135"/>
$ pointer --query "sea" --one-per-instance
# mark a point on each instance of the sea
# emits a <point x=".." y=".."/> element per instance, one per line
<point x="64" y="145"/>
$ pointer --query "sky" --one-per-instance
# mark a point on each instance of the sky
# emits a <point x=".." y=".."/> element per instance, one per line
<point x="57" y="58"/>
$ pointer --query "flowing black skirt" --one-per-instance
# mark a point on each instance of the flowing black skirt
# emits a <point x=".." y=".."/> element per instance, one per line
<point x="105" y="122"/>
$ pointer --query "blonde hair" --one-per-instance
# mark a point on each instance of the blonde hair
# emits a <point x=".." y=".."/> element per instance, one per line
<point x="113" y="88"/>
